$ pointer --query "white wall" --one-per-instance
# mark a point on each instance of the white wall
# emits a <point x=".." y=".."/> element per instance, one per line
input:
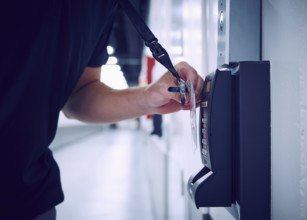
<point x="285" y="45"/>
<point x="195" y="23"/>
<point x="177" y="24"/>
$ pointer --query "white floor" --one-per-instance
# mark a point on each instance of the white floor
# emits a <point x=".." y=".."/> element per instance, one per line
<point x="104" y="176"/>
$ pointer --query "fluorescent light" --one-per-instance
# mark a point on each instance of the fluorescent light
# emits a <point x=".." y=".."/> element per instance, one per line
<point x="112" y="60"/>
<point x="112" y="76"/>
<point x="110" y="50"/>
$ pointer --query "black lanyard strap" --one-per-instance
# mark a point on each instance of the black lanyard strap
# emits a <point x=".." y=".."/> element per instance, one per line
<point x="158" y="52"/>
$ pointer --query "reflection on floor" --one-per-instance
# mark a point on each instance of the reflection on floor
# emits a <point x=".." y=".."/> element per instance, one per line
<point x="103" y="176"/>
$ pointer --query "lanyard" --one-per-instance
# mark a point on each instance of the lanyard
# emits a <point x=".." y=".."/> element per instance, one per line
<point x="158" y="52"/>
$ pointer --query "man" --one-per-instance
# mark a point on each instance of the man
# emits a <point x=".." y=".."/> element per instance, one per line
<point x="50" y="57"/>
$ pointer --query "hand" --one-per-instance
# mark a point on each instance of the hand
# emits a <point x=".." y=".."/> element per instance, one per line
<point x="162" y="101"/>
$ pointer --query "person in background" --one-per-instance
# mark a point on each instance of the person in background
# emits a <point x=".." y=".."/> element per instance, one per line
<point x="51" y="55"/>
<point x="156" y="118"/>
<point x="128" y="45"/>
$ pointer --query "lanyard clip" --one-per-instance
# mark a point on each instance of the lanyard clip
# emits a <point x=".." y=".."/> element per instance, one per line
<point x="182" y="89"/>
<point x="157" y="50"/>
<point x="161" y="55"/>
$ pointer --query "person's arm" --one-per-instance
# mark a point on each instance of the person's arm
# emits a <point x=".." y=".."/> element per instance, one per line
<point x="93" y="101"/>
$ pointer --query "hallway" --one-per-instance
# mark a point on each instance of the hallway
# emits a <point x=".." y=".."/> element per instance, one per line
<point x="104" y="175"/>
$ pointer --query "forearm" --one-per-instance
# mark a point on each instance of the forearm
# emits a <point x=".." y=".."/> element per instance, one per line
<point x="94" y="102"/>
<point x="98" y="103"/>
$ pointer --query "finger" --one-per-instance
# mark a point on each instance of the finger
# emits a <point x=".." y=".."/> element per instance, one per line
<point x="171" y="106"/>
<point x="198" y="86"/>
<point x="172" y="88"/>
<point x="199" y="89"/>
<point x="187" y="72"/>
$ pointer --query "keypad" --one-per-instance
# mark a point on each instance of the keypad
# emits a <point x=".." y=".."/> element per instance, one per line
<point x="204" y="140"/>
<point x="204" y="126"/>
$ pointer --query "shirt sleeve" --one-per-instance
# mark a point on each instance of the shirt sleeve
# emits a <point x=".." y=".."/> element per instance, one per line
<point x="100" y="54"/>
<point x="99" y="57"/>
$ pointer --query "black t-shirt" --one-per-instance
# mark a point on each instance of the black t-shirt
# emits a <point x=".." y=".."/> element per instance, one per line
<point x="44" y="47"/>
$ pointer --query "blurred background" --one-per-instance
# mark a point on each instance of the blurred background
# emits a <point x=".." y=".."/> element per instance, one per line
<point x="139" y="168"/>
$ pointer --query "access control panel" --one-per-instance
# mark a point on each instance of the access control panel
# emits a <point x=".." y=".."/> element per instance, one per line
<point x="218" y="87"/>
<point x="214" y="181"/>
<point x="235" y="141"/>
